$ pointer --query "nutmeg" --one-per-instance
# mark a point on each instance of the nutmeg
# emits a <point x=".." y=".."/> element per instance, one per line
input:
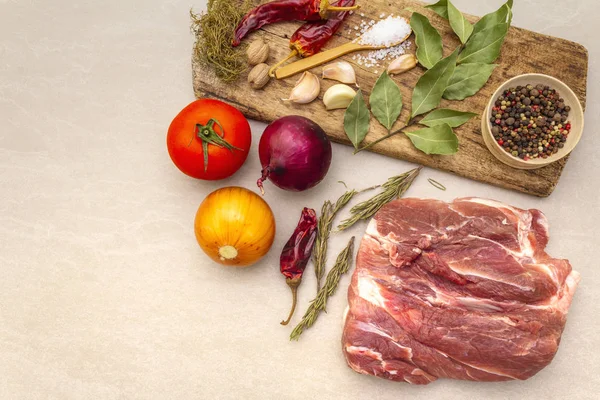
<point x="259" y="76"/>
<point x="258" y="52"/>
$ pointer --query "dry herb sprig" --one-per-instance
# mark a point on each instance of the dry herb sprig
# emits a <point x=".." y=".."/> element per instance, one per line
<point x="394" y="188"/>
<point x="328" y="214"/>
<point x="214" y="32"/>
<point x="341" y="267"/>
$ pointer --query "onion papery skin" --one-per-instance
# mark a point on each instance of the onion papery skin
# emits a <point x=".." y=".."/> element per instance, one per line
<point x="295" y="153"/>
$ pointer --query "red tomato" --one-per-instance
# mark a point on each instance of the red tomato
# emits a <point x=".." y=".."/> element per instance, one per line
<point x="215" y="126"/>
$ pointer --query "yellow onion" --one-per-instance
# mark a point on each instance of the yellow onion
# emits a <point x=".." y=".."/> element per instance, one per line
<point x="235" y="226"/>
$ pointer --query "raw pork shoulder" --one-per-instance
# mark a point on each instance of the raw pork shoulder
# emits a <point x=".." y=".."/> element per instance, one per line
<point x="460" y="290"/>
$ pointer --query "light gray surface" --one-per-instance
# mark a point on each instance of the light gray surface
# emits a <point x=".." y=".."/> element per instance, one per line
<point x="104" y="293"/>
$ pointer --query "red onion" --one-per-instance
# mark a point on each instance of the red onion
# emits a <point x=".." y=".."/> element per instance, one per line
<point x="295" y="154"/>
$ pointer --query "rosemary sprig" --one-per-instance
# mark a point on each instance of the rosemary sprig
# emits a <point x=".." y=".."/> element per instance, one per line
<point x="342" y="265"/>
<point x="394" y="188"/>
<point x="328" y="214"/>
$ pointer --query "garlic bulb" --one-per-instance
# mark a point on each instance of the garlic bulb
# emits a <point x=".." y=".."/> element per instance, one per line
<point x="340" y="71"/>
<point x="402" y="64"/>
<point x="306" y="90"/>
<point x="338" y="96"/>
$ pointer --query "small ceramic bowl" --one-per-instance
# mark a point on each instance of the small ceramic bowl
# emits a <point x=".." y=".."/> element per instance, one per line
<point x="575" y="117"/>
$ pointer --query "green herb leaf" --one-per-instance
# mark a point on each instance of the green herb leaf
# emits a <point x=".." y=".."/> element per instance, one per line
<point x="437" y="140"/>
<point x="428" y="40"/>
<point x="356" y="120"/>
<point x="499" y="16"/>
<point x="432" y="85"/>
<point x="485" y="46"/>
<point x="467" y="80"/>
<point x="446" y="116"/>
<point x="386" y="101"/>
<point x="510" y="13"/>
<point x="440" y="8"/>
<point x="459" y="23"/>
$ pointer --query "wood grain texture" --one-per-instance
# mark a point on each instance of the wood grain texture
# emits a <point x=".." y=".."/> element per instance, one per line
<point x="523" y="52"/>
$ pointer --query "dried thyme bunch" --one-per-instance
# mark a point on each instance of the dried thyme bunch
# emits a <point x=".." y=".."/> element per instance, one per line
<point x="214" y="32"/>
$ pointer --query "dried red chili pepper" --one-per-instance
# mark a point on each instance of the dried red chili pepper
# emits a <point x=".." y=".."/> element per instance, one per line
<point x="310" y="38"/>
<point x="296" y="254"/>
<point x="284" y="10"/>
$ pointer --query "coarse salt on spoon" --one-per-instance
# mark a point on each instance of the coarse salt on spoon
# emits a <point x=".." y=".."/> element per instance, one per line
<point x="389" y="32"/>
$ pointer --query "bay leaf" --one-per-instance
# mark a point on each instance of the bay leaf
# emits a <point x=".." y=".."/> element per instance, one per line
<point x="446" y="116"/>
<point x="440" y="8"/>
<point x="440" y="139"/>
<point x="428" y="91"/>
<point x="497" y="17"/>
<point x="386" y="101"/>
<point x="459" y="23"/>
<point x="467" y="80"/>
<point x="485" y="46"/>
<point x="356" y="120"/>
<point x="429" y="41"/>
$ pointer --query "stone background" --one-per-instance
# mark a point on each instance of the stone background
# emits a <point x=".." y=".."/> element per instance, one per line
<point x="104" y="293"/>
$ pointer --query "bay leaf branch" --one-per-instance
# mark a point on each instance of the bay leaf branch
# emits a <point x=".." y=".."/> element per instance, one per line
<point x="429" y="41"/>
<point x="386" y="101"/>
<point x="446" y="116"/>
<point x="440" y="8"/>
<point x="484" y="47"/>
<point x="439" y="139"/>
<point x="357" y="120"/>
<point x="459" y="23"/>
<point x="497" y="17"/>
<point x="430" y="88"/>
<point x="467" y="80"/>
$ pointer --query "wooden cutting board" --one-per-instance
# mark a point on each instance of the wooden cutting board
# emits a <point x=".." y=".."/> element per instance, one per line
<point x="523" y="52"/>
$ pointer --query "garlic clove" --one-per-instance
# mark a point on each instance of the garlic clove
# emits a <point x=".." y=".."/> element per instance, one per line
<point x="340" y="71"/>
<point x="306" y="90"/>
<point x="338" y="96"/>
<point x="402" y="64"/>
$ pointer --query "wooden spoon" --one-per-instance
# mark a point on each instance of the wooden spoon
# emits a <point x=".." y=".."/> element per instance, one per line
<point x="328" y="55"/>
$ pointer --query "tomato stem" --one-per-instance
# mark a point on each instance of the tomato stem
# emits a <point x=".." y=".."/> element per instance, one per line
<point x="208" y="135"/>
